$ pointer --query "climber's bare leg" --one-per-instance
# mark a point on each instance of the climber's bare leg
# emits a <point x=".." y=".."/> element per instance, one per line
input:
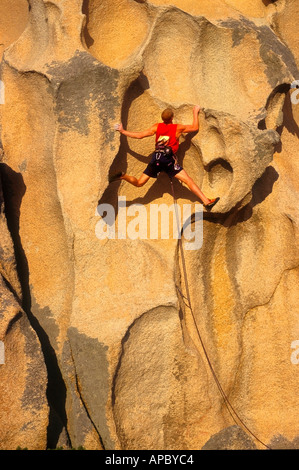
<point x="185" y="178"/>
<point x="134" y="181"/>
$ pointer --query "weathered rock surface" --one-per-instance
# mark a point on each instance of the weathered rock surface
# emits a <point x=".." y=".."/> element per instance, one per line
<point x="101" y="322"/>
<point x="23" y="377"/>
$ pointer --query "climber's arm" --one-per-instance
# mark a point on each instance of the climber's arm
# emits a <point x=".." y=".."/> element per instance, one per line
<point x="185" y="129"/>
<point x="137" y="135"/>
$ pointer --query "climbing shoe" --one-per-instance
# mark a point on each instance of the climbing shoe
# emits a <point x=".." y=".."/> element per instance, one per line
<point x="211" y="204"/>
<point x="116" y="177"/>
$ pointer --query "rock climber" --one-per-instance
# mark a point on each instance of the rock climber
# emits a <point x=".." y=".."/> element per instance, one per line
<point x="164" y="156"/>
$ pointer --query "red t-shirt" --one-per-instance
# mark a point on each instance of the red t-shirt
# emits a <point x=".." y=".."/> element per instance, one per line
<point x="170" y="131"/>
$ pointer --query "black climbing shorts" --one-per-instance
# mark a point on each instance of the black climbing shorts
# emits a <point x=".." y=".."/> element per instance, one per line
<point x="162" y="161"/>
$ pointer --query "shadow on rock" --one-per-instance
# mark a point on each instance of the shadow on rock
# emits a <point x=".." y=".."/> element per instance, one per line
<point x="14" y="190"/>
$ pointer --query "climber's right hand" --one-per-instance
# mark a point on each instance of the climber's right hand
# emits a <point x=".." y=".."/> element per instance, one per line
<point x="119" y="127"/>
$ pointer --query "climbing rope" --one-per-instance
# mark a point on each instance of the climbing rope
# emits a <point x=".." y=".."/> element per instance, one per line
<point x="235" y="416"/>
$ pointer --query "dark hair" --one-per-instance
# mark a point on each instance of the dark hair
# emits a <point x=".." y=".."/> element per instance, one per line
<point x="167" y="115"/>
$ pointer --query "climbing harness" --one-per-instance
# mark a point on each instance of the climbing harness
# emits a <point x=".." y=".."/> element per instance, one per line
<point x="164" y="156"/>
<point x="235" y="416"/>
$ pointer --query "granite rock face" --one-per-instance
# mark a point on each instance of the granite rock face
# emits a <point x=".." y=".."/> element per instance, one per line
<point x="108" y="350"/>
<point x="23" y="376"/>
